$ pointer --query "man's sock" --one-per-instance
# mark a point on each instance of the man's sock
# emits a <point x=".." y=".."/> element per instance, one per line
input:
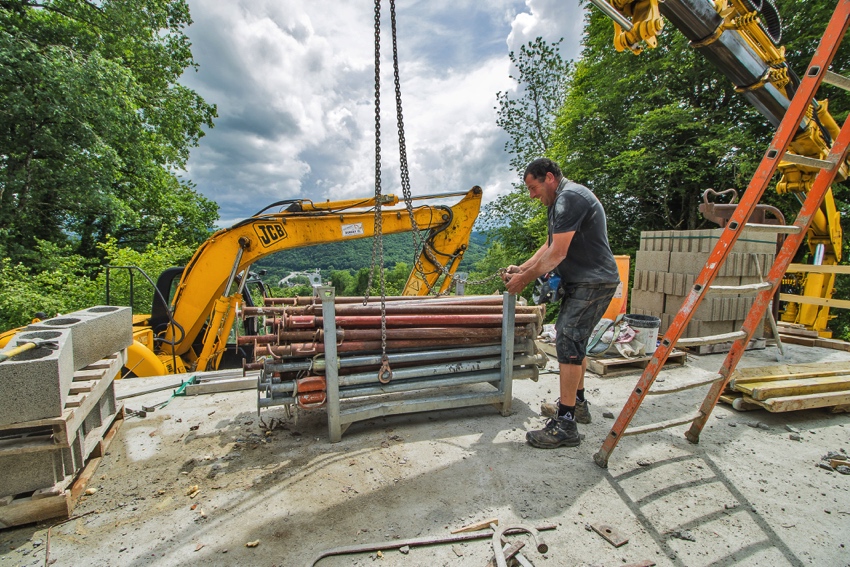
<point x="566" y="411"/>
<point x="580" y="395"/>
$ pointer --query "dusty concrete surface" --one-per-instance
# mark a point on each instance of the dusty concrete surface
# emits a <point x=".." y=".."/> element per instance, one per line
<point x="745" y="495"/>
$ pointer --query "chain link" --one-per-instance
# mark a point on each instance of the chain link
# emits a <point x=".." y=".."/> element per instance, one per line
<point x="385" y="373"/>
<point x="498" y="274"/>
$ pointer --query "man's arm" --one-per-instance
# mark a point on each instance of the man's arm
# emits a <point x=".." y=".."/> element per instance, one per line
<point x="544" y="261"/>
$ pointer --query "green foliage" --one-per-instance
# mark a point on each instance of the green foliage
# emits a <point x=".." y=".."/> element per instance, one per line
<point x="514" y="221"/>
<point x="63" y="281"/>
<point x="163" y="253"/>
<point x="94" y="126"/>
<point x="66" y="286"/>
<point x="542" y="78"/>
<point x="348" y="257"/>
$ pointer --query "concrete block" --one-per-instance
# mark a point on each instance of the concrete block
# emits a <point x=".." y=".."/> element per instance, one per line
<point x="686" y="262"/>
<point x="27" y="472"/>
<point x="699" y="328"/>
<point x="98" y="332"/>
<point x="656" y="261"/>
<point x="647" y="300"/>
<point x="31" y="458"/>
<point x="35" y="383"/>
<point x="709" y="309"/>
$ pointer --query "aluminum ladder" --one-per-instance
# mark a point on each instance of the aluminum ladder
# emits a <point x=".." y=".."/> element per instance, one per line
<point x="816" y="73"/>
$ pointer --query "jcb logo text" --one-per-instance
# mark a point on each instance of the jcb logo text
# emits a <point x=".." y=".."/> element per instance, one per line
<point x="269" y="233"/>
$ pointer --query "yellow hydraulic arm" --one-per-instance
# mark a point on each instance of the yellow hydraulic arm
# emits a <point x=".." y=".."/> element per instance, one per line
<point x="205" y="291"/>
<point x="743" y="43"/>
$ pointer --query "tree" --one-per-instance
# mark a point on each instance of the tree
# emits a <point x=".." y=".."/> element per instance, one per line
<point x="649" y="133"/>
<point x="542" y="77"/>
<point x="75" y="282"/>
<point x="514" y="220"/>
<point x="94" y="126"/>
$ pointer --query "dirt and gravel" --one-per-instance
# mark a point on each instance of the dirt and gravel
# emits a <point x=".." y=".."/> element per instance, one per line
<point x="205" y="481"/>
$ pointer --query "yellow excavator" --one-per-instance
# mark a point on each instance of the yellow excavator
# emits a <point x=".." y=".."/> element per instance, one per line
<point x="191" y="333"/>
<point x="742" y="39"/>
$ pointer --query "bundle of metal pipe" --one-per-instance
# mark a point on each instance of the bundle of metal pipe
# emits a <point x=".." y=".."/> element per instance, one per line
<point x="430" y="343"/>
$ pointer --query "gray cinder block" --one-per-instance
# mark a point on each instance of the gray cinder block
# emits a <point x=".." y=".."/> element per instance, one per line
<point x="98" y="332"/>
<point x="35" y="383"/>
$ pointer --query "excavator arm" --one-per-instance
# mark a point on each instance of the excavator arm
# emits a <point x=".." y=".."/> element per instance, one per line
<point x="205" y="294"/>
<point x="741" y="38"/>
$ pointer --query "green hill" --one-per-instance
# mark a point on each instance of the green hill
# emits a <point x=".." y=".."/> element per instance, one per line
<point x="356" y="254"/>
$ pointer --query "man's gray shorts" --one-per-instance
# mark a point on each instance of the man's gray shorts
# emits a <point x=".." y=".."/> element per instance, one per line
<point x="582" y="307"/>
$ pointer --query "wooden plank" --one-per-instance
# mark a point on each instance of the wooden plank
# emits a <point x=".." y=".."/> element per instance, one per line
<point x="803" y="370"/>
<point x="835" y="344"/>
<point x="836" y="303"/>
<point x="42" y="505"/>
<point x="215" y="386"/>
<point x="824" y="269"/>
<point x="764" y="390"/>
<point x="798" y="332"/>
<point x="82" y="387"/>
<point x="28" y="511"/>
<point x="607" y="366"/>
<point x="754" y="344"/>
<point x="795" y="340"/>
<point x="808" y="401"/>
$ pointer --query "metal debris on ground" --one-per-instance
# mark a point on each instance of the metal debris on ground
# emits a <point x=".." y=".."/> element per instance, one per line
<point x="611" y="534"/>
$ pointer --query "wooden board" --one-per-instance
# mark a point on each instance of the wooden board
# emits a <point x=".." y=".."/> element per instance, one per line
<point x="780" y="388"/>
<point x="59" y="502"/>
<point x="97" y="377"/>
<point x="754" y="344"/>
<point x="610" y="367"/>
<point x="796" y="330"/>
<point x="808" y="401"/>
<point x="795" y="340"/>
<point x="787" y="372"/>
<point x="819" y="342"/>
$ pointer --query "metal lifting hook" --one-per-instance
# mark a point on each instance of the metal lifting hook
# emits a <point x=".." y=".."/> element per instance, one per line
<point x="385" y="374"/>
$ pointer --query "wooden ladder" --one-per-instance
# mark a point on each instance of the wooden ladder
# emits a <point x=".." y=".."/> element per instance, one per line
<point x="815" y="74"/>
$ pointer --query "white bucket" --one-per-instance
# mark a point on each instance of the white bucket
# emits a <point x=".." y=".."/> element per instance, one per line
<point x="646" y="327"/>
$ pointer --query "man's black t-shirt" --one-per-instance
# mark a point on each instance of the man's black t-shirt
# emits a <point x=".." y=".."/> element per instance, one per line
<point x="589" y="258"/>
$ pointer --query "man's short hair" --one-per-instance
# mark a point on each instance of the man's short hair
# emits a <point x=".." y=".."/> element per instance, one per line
<point x="540" y="167"/>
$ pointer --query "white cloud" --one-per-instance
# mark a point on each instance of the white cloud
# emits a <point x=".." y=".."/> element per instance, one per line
<point x="294" y="85"/>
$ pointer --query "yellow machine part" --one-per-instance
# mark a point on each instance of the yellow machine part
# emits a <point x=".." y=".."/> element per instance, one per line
<point x="826" y="227"/>
<point x="207" y="273"/>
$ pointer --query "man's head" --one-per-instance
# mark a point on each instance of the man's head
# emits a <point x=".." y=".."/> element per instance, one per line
<point x="542" y="177"/>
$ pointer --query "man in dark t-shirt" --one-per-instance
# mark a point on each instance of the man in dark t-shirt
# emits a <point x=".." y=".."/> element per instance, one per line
<point x="577" y="250"/>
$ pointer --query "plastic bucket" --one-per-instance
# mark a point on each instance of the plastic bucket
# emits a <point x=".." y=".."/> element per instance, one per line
<point x="646" y="327"/>
<point x="621" y="296"/>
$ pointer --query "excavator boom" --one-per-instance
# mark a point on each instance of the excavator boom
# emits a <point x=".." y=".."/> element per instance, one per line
<point x="210" y="273"/>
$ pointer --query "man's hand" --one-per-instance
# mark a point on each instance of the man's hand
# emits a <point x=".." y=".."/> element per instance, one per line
<point x="515" y="279"/>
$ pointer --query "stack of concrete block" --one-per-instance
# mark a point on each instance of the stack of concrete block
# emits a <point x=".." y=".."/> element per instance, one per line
<point x="668" y="263"/>
<point x="55" y="400"/>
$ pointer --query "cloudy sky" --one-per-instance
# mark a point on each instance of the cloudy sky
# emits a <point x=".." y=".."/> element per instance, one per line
<point x="294" y="86"/>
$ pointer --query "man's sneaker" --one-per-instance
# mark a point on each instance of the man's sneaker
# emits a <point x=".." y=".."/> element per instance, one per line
<point x="558" y="432"/>
<point x="582" y="410"/>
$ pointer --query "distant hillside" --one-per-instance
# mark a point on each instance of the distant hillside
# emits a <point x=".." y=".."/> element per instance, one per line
<point x="356" y="254"/>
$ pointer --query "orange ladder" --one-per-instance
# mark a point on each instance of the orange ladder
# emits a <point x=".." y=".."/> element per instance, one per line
<point x="816" y="73"/>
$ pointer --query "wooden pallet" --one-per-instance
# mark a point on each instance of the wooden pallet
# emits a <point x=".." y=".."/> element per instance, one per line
<point x="610" y="367"/>
<point x="754" y="344"/>
<point x="60" y="500"/>
<point x="89" y="385"/>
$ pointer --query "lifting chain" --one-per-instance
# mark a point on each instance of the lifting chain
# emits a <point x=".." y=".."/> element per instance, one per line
<point x="385" y="373"/>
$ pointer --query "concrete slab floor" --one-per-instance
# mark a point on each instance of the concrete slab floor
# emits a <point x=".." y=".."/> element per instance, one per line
<point x="744" y="495"/>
